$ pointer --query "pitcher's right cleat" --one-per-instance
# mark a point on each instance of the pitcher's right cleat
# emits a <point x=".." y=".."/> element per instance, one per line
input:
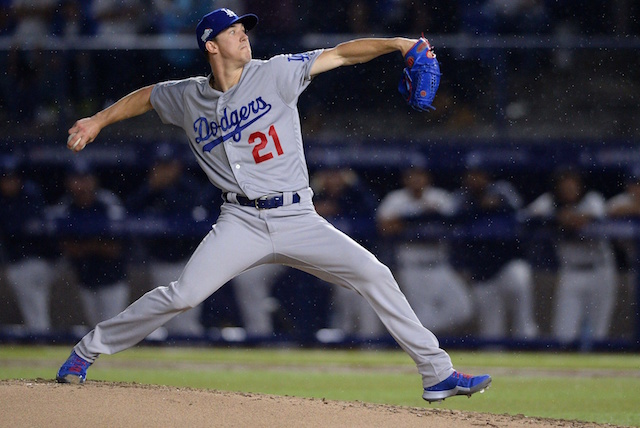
<point x="74" y="370"/>
<point x="456" y="384"/>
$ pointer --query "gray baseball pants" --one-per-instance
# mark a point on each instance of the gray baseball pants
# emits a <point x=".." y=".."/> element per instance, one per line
<point x="293" y="235"/>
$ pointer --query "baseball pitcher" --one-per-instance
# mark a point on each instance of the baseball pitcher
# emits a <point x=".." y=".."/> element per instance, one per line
<point x="243" y="127"/>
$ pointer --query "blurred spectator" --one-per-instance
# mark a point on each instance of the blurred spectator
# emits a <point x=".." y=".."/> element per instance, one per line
<point x="173" y="17"/>
<point x="341" y="197"/>
<point x="279" y="19"/>
<point x="253" y="291"/>
<point x="596" y="17"/>
<point x="436" y="292"/>
<point x="169" y="194"/>
<point x="625" y="207"/>
<point x="274" y="299"/>
<point x="340" y="17"/>
<point x="84" y="215"/>
<point x="28" y="258"/>
<point x="73" y="19"/>
<point x="34" y="19"/>
<point x="7" y="18"/>
<point x="627" y="203"/>
<point x="328" y="17"/>
<point x="415" y="17"/>
<point x="502" y="281"/>
<point x="499" y="18"/>
<point x="359" y="17"/>
<point x="115" y="19"/>
<point x="27" y="88"/>
<point x="239" y="6"/>
<point x="587" y="283"/>
<point x="177" y="17"/>
<point x="20" y="88"/>
<point x="626" y="14"/>
<point x="7" y="89"/>
<point x="488" y="17"/>
<point x="77" y="82"/>
<point x="349" y="205"/>
<point x="119" y="17"/>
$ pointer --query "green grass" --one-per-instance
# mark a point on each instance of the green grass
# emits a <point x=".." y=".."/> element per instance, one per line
<point x="587" y="387"/>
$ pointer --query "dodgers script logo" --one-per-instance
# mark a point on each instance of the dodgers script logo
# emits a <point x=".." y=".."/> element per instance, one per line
<point x="231" y="124"/>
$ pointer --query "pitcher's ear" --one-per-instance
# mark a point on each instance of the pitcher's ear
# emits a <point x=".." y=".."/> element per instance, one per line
<point x="211" y="46"/>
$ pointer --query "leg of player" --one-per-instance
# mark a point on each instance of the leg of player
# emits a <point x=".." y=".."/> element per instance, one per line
<point x="252" y="289"/>
<point x="323" y="251"/>
<point x="568" y="311"/>
<point x="225" y="245"/>
<point x="602" y="299"/>
<point x="334" y="257"/>
<point x="31" y="282"/>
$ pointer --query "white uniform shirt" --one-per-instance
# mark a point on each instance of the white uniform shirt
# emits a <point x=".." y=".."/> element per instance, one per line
<point x="402" y="204"/>
<point x="579" y="251"/>
<point x="623" y="199"/>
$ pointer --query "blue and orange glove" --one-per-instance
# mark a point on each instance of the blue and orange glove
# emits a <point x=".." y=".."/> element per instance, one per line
<point x="421" y="76"/>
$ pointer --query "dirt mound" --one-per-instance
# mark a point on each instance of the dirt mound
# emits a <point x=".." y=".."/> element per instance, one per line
<point x="41" y="402"/>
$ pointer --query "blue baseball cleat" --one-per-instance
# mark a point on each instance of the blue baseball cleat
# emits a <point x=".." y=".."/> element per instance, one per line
<point x="457" y="384"/>
<point x="74" y="370"/>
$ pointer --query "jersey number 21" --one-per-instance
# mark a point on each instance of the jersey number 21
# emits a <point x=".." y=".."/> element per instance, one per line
<point x="261" y="152"/>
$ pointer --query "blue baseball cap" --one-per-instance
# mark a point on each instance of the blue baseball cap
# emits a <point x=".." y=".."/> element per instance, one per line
<point x="214" y="22"/>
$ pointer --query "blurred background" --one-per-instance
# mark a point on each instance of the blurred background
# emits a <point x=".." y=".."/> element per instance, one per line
<point x="509" y="214"/>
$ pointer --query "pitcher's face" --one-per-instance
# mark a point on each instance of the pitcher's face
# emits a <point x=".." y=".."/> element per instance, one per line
<point x="233" y="44"/>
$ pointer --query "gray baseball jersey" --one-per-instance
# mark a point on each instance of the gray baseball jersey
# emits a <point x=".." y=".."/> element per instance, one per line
<point x="248" y="139"/>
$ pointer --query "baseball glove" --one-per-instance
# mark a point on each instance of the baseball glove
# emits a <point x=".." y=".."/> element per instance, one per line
<point x="421" y="77"/>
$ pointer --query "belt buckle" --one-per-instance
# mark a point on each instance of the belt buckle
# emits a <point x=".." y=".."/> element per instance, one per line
<point x="256" y="202"/>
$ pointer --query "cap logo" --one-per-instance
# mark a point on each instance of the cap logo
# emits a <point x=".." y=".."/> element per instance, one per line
<point x="205" y="34"/>
<point x="230" y="13"/>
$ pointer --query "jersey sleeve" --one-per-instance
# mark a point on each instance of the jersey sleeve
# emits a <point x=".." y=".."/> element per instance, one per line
<point x="442" y="202"/>
<point x="167" y="99"/>
<point x="292" y="73"/>
<point x="542" y="206"/>
<point x="618" y="201"/>
<point x="389" y="208"/>
<point x="594" y="205"/>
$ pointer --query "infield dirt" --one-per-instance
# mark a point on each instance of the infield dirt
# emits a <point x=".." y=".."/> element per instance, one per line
<point x="44" y="403"/>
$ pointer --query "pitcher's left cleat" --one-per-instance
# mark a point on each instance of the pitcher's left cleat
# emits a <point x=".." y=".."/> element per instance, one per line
<point x="74" y="370"/>
<point x="456" y="384"/>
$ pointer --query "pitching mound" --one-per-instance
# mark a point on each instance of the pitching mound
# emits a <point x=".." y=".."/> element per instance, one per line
<point x="39" y="403"/>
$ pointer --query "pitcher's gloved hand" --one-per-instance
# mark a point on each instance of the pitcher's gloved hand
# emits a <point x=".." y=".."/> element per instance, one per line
<point x="421" y="76"/>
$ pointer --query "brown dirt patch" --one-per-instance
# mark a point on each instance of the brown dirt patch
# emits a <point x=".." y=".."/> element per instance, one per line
<point x="39" y="403"/>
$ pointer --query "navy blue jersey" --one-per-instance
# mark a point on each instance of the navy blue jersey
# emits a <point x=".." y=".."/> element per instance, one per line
<point x="21" y="216"/>
<point x="490" y="240"/>
<point x="95" y="253"/>
<point x="182" y="203"/>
